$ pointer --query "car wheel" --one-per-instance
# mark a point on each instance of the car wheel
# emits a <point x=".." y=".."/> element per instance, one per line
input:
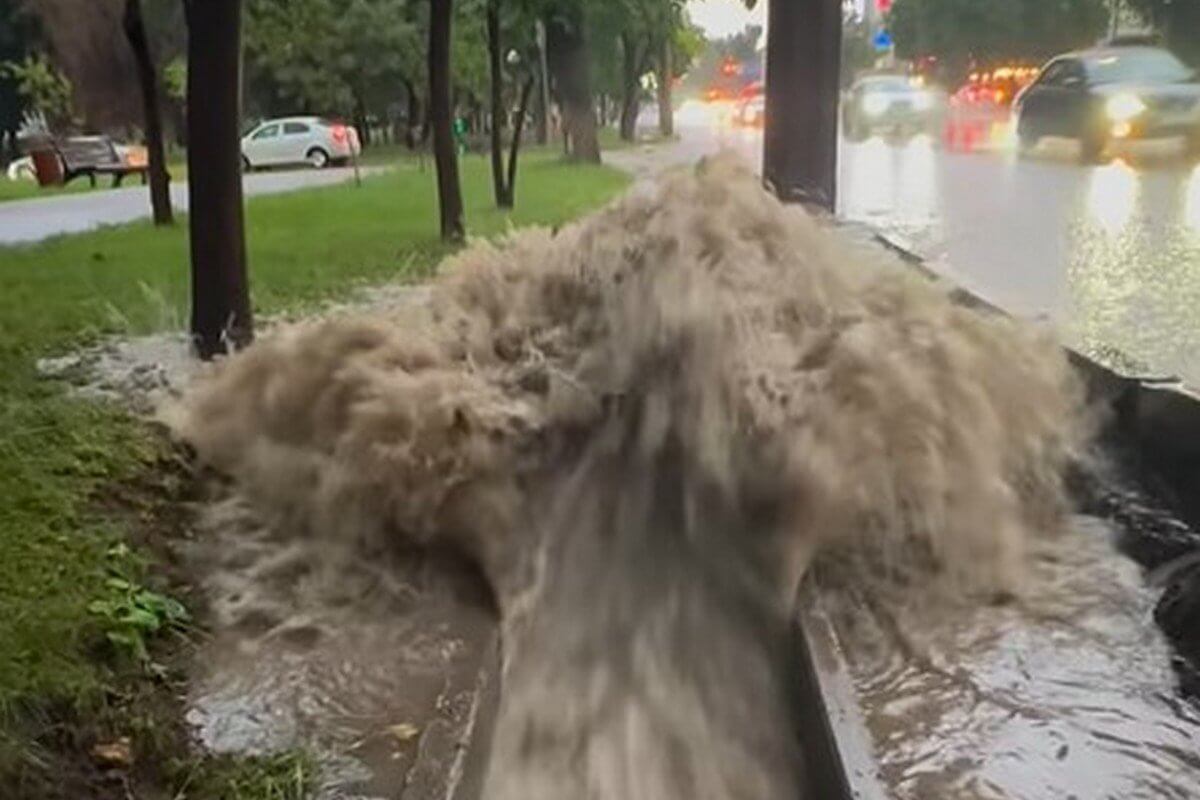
<point x="318" y="158"/>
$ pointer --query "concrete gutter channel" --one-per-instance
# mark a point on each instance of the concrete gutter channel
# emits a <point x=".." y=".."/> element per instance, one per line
<point x="1154" y="422"/>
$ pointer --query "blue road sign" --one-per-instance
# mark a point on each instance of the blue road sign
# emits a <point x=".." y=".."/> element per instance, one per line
<point x="882" y="41"/>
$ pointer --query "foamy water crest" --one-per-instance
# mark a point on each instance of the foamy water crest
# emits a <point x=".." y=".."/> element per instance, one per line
<point x="642" y="429"/>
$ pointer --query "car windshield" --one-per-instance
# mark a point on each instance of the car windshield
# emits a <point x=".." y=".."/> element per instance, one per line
<point x="1143" y="66"/>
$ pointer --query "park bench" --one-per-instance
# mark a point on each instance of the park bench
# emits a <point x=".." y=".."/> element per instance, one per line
<point x="63" y="160"/>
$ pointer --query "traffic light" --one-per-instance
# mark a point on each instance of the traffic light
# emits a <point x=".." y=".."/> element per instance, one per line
<point x="883" y="6"/>
<point x="729" y="67"/>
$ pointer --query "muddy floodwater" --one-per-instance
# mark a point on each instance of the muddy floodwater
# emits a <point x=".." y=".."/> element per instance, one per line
<point x="638" y="433"/>
<point x="1066" y="692"/>
<point x="364" y="663"/>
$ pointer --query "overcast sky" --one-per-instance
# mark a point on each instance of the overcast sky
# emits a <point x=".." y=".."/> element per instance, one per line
<point x="723" y="17"/>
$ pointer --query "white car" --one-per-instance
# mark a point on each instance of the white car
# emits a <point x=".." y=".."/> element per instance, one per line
<point x="298" y="140"/>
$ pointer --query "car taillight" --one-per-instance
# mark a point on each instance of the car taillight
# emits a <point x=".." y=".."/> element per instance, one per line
<point x="339" y="133"/>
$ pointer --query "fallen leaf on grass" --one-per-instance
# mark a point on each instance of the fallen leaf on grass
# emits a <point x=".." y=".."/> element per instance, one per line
<point x="114" y="755"/>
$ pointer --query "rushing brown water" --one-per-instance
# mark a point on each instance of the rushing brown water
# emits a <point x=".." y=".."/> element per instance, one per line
<point x="363" y="662"/>
<point x="641" y="429"/>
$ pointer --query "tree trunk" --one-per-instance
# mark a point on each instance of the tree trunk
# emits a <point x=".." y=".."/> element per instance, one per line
<point x="221" y="316"/>
<point x="804" y="39"/>
<point x="499" y="183"/>
<point x="544" y="113"/>
<point x="362" y="122"/>
<point x="179" y="121"/>
<point x="630" y="87"/>
<point x="515" y="146"/>
<point x="450" y="205"/>
<point x="542" y="123"/>
<point x="412" y="125"/>
<point x="160" y="190"/>
<point x="666" y="76"/>
<point x="567" y="49"/>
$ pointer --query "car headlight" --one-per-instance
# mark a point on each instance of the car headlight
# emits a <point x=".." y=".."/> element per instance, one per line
<point x="1124" y="107"/>
<point x="875" y="104"/>
<point x="922" y="101"/>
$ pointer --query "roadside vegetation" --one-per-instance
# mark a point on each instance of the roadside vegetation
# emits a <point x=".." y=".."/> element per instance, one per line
<point x="96" y="620"/>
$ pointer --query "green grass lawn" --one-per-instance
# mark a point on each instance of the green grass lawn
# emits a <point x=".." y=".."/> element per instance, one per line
<point x="61" y="457"/>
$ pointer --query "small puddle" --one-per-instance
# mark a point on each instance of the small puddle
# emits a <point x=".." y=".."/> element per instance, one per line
<point x="362" y="664"/>
<point x="1067" y="693"/>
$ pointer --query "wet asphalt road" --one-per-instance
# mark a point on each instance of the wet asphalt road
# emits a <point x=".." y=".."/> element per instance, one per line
<point x="23" y="221"/>
<point x="1110" y="254"/>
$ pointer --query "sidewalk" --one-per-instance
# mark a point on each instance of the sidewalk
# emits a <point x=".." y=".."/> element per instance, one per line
<point x="23" y="221"/>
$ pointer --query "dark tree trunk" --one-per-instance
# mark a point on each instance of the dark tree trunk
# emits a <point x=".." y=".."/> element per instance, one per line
<point x="500" y="186"/>
<point x="515" y="146"/>
<point x="804" y="39"/>
<point x="666" y="75"/>
<point x="413" y="124"/>
<point x="221" y="315"/>
<point x="450" y="205"/>
<point x="362" y="122"/>
<point x="566" y="46"/>
<point x="631" y="88"/>
<point x="179" y="121"/>
<point x="543" y="114"/>
<point x="160" y="189"/>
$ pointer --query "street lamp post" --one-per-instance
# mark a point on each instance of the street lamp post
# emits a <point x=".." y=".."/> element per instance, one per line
<point x="804" y="42"/>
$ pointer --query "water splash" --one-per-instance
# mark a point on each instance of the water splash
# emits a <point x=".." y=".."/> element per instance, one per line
<point x="642" y="429"/>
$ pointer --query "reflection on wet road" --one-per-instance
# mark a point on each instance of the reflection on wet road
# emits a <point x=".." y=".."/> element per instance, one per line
<point x="1110" y="254"/>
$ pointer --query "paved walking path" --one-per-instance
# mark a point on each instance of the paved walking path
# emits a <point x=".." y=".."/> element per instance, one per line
<point x="40" y="218"/>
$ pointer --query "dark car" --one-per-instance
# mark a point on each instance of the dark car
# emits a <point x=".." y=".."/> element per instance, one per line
<point x="888" y="103"/>
<point x="1110" y="94"/>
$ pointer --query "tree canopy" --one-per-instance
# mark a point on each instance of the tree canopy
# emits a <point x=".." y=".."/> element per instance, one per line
<point x="1179" y="22"/>
<point x="331" y="56"/>
<point x="960" y="32"/>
